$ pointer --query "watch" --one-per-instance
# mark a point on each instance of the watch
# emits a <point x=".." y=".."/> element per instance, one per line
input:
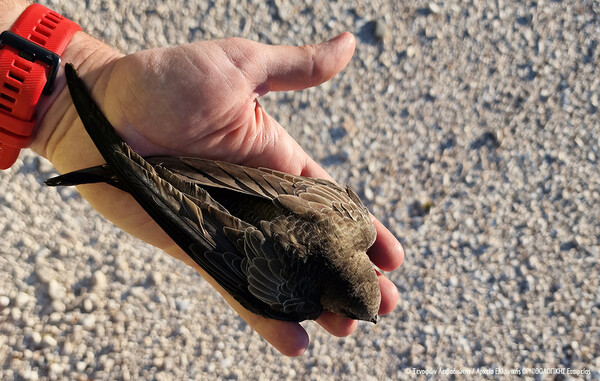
<point x="29" y="61"/>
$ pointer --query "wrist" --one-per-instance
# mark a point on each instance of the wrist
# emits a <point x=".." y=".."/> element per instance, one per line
<point x="85" y="52"/>
<point x="91" y="57"/>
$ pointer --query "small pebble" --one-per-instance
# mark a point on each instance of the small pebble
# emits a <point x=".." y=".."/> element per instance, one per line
<point x="99" y="281"/>
<point x="56" y="290"/>
<point x="88" y="321"/>
<point x="88" y="305"/>
<point x="434" y="8"/>
<point x="36" y="338"/>
<point x="80" y="366"/>
<point x="58" y="306"/>
<point x="4" y="301"/>
<point x="183" y="305"/>
<point x="22" y="299"/>
<point x="55" y="369"/>
<point x="379" y="30"/>
<point x="156" y="278"/>
<point x="49" y="341"/>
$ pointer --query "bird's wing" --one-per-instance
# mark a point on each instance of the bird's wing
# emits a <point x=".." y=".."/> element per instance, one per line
<point x="284" y="290"/>
<point x="306" y="197"/>
<point x="264" y="276"/>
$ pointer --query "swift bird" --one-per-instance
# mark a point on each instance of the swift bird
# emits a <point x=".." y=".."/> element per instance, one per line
<point x="285" y="247"/>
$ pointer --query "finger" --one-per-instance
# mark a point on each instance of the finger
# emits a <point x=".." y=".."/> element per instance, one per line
<point x="300" y="67"/>
<point x="312" y="169"/>
<point x="337" y="325"/>
<point x="287" y="337"/>
<point x="282" y="153"/>
<point x="389" y="295"/>
<point x="386" y="253"/>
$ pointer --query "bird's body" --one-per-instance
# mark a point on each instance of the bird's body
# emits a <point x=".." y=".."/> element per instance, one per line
<point x="285" y="247"/>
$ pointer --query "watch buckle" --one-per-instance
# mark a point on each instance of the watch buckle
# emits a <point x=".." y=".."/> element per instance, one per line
<point x="32" y="52"/>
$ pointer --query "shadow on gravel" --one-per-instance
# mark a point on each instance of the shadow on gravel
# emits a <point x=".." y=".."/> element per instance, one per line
<point x="372" y="32"/>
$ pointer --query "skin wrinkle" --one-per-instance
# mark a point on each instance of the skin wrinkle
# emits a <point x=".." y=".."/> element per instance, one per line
<point x="49" y="153"/>
<point x="268" y="139"/>
<point x="275" y="132"/>
<point x="251" y="132"/>
<point x="220" y="68"/>
<point x="234" y="124"/>
<point x="292" y="160"/>
<point x="155" y="68"/>
<point x="312" y="51"/>
<point x="247" y="60"/>
<point x="63" y="128"/>
<point x="132" y="131"/>
<point x="298" y="160"/>
<point x="241" y="147"/>
<point x="233" y="121"/>
<point x="134" y="91"/>
<point x="151" y="69"/>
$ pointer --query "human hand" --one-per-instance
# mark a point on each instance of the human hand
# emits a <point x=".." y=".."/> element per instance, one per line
<point x="201" y="99"/>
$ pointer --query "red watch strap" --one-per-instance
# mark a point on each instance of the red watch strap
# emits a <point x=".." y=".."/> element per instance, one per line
<point x="23" y="77"/>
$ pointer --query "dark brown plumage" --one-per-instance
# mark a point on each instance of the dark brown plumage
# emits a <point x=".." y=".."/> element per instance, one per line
<point x="285" y="247"/>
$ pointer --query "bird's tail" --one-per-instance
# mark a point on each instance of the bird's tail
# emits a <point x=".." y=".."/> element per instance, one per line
<point x="93" y="175"/>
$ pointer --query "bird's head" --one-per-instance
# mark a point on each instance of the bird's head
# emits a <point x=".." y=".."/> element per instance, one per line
<point x="353" y="291"/>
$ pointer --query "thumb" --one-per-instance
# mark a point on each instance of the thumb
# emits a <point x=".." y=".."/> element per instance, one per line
<point x="300" y="67"/>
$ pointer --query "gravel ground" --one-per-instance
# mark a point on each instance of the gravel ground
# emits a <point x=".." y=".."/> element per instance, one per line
<point x="471" y="129"/>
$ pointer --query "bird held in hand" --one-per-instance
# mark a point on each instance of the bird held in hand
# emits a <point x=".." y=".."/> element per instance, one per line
<point x="285" y="247"/>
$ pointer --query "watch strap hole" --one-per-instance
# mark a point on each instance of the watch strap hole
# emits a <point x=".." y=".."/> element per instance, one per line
<point x="12" y="88"/>
<point x="47" y="24"/>
<point x="7" y="97"/>
<point x="38" y="40"/>
<point x="14" y="76"/>
<point x="54" y="17"/>
<point x="40" y="30"/>
<point x="22" y="66"/>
